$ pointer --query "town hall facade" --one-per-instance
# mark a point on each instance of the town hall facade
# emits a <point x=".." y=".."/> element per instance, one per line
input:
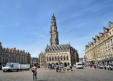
<point x="56" y="53"/>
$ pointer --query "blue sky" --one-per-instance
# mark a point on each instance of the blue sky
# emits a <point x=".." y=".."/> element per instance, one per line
<point x="25" y="24"/>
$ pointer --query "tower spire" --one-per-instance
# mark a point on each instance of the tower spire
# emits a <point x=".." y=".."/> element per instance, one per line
<point x="53" y="13"/>
<point x="53" y="32"/>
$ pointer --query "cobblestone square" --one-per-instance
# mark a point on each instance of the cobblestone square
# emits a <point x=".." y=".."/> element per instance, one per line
<point x="87" y="74"/>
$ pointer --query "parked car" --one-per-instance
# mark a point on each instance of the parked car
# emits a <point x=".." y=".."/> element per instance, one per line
<point x="79" y="65"/>
<point x="101" y="67"/>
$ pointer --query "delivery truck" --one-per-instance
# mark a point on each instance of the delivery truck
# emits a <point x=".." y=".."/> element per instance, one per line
<point x="24" y="66"/>
<point x="15" y="67"/>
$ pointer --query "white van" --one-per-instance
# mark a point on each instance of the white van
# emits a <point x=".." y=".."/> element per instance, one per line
<point x="11" y="67"/>
<point x="79" y="65"/>
<point x="15" y="67"/>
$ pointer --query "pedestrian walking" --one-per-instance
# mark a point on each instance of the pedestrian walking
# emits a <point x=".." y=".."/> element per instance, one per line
<point x="57" y="68"/>
<point x="95" y="66"/>
<point x="34" y="71"/>
<point x="71" y="68"/>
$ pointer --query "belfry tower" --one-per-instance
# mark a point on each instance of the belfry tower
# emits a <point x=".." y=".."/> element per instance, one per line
<point x="53" y="32"/>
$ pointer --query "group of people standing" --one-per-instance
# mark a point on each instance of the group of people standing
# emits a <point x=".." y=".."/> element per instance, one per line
<point x="59" y="67"/>
<point x="106" y="66"/>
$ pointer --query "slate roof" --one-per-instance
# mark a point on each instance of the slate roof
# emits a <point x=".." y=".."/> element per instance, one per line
<point x="58" y="48"/>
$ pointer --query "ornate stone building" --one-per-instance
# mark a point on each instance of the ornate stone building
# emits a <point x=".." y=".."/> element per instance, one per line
<point x="100" y="50"/>
<point x="13" y="55"/>
<point x="42" y="59"/>
<point x="56" y="53"/>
